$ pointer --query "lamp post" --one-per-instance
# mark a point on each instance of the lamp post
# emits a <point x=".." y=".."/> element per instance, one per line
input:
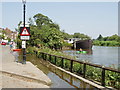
<point x="24" y="50"/>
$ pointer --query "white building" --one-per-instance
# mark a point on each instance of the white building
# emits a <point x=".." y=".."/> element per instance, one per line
<point x="72" y="40"/>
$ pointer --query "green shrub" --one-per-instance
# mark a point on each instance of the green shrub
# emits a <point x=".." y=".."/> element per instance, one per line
<point x="106" y="43"/>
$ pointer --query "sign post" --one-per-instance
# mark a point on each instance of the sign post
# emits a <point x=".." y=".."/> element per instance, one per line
<point x="24" y="34"/>
<point x="24" y="50"/>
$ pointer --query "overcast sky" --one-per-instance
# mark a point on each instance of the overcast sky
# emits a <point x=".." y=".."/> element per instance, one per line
<point x="91" y="18"/>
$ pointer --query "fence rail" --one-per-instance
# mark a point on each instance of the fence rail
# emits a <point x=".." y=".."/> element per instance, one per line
<point x="84" y="65"/>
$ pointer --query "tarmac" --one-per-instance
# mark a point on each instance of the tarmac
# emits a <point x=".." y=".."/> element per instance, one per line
<point x="17" y="75"/>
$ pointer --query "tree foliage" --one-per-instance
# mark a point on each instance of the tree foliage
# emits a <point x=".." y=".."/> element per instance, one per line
<point x="82" y="36"/>
<point x="113" y="40"/>
<point x="100" y="38"/>
<point x="44" y="32"/>
<point x="66" y="36"/>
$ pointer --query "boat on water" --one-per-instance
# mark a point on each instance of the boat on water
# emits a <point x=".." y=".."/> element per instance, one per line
<point x="81" y="52"/>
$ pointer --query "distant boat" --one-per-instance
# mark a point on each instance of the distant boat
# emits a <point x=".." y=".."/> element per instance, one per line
<point x="83" y="44"/>
<point x="81" y="52"/>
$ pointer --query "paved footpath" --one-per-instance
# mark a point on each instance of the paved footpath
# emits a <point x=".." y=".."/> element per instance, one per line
<point x="17" y="75"/>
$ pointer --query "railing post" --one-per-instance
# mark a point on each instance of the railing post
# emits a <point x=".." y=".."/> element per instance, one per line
<point x="45" y="56"/>
<point x="36" y="53"/>
<point x="49" y="57"/>
<point x="42" y="55"/>
<point x="55" y="60"/>
<point x="103" y="76"/>
<point x="62" y="62"/>
<point x="84" y="69"/>
<point x="71" y="66"/>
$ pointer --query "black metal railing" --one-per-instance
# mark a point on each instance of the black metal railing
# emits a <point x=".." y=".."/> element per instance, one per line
<point x="80" y="67"/>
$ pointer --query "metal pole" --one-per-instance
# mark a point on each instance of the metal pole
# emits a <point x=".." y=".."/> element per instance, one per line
<point x="24" y="50"/>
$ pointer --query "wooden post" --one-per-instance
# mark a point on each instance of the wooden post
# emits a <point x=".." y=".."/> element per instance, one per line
<point x="62" y="62"/>
<point x="55" y="60"/>
<point x="71" y="66"/>
<point x="84" y="69"/>
<point x="103" y="76"/>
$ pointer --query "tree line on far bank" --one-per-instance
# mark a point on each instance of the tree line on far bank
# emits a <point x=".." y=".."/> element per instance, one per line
<point x="113" y="40"/>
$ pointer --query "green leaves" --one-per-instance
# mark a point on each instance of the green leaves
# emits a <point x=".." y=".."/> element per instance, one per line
<point x="113" y="40"/>
<point x="82" y="36"/>
<point x="106" y="43"/>
<point x="45" y="32"/>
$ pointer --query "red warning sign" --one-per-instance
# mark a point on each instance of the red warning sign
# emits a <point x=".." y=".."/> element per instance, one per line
<point x="25" y="32"/>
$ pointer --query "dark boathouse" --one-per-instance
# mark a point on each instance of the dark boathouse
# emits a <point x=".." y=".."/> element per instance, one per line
<point x="83" y="44"/>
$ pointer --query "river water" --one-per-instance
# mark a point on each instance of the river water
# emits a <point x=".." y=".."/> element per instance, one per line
<point x="107" y="56"/>
<point x="98" y="55"/>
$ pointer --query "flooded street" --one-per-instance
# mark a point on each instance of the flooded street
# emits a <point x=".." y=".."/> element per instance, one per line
<point x="59" y="78"/>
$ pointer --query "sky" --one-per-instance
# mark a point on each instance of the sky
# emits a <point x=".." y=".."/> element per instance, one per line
<point x="91" y="18"/>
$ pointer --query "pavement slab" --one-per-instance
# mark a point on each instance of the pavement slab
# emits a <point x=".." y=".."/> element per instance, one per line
<point x="17" y="75"/>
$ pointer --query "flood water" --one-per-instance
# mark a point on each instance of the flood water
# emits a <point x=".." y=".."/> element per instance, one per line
<point x="59" y="78"/>
<point x="107" y="56"/>
<point x="99" y="55"/>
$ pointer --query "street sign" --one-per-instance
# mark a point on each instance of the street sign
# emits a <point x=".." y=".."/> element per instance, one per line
<point x="24" y="31"/>
<point x="24" y="37"/>
<point x="23" y="44"/>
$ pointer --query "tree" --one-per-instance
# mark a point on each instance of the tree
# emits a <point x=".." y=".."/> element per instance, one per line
<point x="112" y="38"/>
<point x="31" y="22"/>
<point x="100" y="38"/>
<point x="45" y="32"/>
<point x="66" y="36"/>
<point x="41" y="19"/>
<point x="82" y="36"/>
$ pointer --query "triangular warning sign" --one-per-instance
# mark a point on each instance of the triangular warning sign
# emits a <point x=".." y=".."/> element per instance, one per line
<point x="25" y="32"/>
